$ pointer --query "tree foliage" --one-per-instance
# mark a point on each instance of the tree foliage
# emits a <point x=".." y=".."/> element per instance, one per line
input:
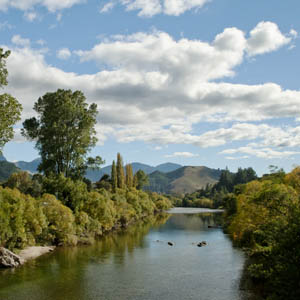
<point x="264" y="216"/>
<point x="120" y="172"/>
<point x="64" y="132"/>
<point x="141" y="179"/>
<point x="114" y="179"/>
<point x="129" y="176"/>
<point x="10" y="108"/>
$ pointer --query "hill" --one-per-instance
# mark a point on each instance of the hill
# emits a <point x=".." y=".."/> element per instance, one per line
<point x="183" y="180"/>
<point x="95" y="175"/>
<point x="6" y="169"/>
<point x="166" y="167"/>
<point x="29" y="166"/>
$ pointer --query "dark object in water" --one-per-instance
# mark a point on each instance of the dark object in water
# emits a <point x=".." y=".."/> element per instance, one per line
<point x="170" y="244"/>
<point x="201" y="244"/>
<point x="214" y="226"/>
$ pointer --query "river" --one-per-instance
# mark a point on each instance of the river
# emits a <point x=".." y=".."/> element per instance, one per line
<point x="137" y="264"/>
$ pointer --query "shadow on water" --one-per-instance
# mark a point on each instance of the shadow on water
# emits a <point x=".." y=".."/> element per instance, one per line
<point x="132" y="264"/>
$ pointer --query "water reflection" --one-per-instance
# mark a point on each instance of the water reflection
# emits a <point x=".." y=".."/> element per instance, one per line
<point x="131" y="265"/>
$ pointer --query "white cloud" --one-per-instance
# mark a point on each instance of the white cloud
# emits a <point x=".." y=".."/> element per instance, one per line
<point x="51" y="5"/>
<point x="19" y="41"/>
<point x="5" y="25"/>
<point x="266" y="37"/>
<point x="150" y="8"/>
<point x="182" y="154"/>
<point x="63" y="54"/>
<point x="174" y="60"/>
<point x="178" y="7"/>
<point x="156" y="89"/>
<point x="157" y="148"/>
<point x="59" y="17"/>
<point x="147" y="8"/>
<point x="30" y="15"/>
<point x="107" y="7"/>
<point x="41" y="42"/>
<point x="293" y="33"/>
<point x="236" y="157"/>
<point x="266" y="153"/>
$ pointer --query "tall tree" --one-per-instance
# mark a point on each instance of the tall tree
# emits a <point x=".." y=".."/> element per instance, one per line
<point x="140" y="179"/>
<point x="120" y="172"/>
<point x="129" y="176"/>
<point x="114" y="181"/>
<point x="10" y="108"/>
<point x="64" y="132"/>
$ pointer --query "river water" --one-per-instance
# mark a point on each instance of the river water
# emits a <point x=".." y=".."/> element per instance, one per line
<point x="137" y="264"/>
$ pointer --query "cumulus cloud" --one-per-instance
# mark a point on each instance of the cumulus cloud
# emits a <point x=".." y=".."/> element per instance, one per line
<point x="266" y="37"/>
<point x="107" y="7"/>
<point x="63" y="54"/>
<point x="293" y="33"/>
<point x="266" y="153"/>
<point x="30" y="16"/>
<point x="159" y="54"/>
<point x="182" y="154"/>
<point x="150" y="8"/>
<point x="155" y="89"/>
<point x="19" y="41"/>
<point x="51" y="5"/>
<point x="236" y="157"/>
<point x="5" y="25"/>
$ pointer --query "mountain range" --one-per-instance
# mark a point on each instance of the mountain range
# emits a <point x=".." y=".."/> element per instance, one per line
<point x="168" y="178"/>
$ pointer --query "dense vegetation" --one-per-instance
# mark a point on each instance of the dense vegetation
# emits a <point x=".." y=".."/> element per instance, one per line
<point x="263" y="216"/>
<point x="62" y="211"/>
<point x="215" y="196"/>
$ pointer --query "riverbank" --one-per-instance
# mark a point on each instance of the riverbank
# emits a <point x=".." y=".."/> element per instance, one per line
<point x="192" y="210"/>
<point x="9" y="259"/>
<point x="34" y="252"/>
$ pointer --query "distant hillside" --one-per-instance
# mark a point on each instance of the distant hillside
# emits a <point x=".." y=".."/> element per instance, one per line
<point x="96" y="175"/>
<point x="29" y="166"/>
<point x="166" y="167"/>
<point x="2" y="158"/>
<point x="183" y="180"/>
<point x="6" y="169"/>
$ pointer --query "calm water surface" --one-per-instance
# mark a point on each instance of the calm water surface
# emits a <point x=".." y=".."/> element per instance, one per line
<point x="137" y="264"/>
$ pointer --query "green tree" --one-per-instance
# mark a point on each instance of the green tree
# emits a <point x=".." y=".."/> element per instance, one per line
<point x="120" y="172"/>
<point x="114" y="181"/>
<point x="64" y="132"/>
<point x="129" y="176"/>
<point x="21" y="181"/>
<point x="10" y="108"/>
<point x="94" y="163"/>
<point x="141" y="179"/>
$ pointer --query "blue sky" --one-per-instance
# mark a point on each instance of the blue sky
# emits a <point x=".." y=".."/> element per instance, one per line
<point x="195" y="82"/>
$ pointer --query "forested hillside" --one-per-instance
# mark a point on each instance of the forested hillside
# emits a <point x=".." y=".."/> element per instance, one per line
<point x="6" y="169"/>
<point x="183" y="180"/>
<point x="214" y="195"/>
